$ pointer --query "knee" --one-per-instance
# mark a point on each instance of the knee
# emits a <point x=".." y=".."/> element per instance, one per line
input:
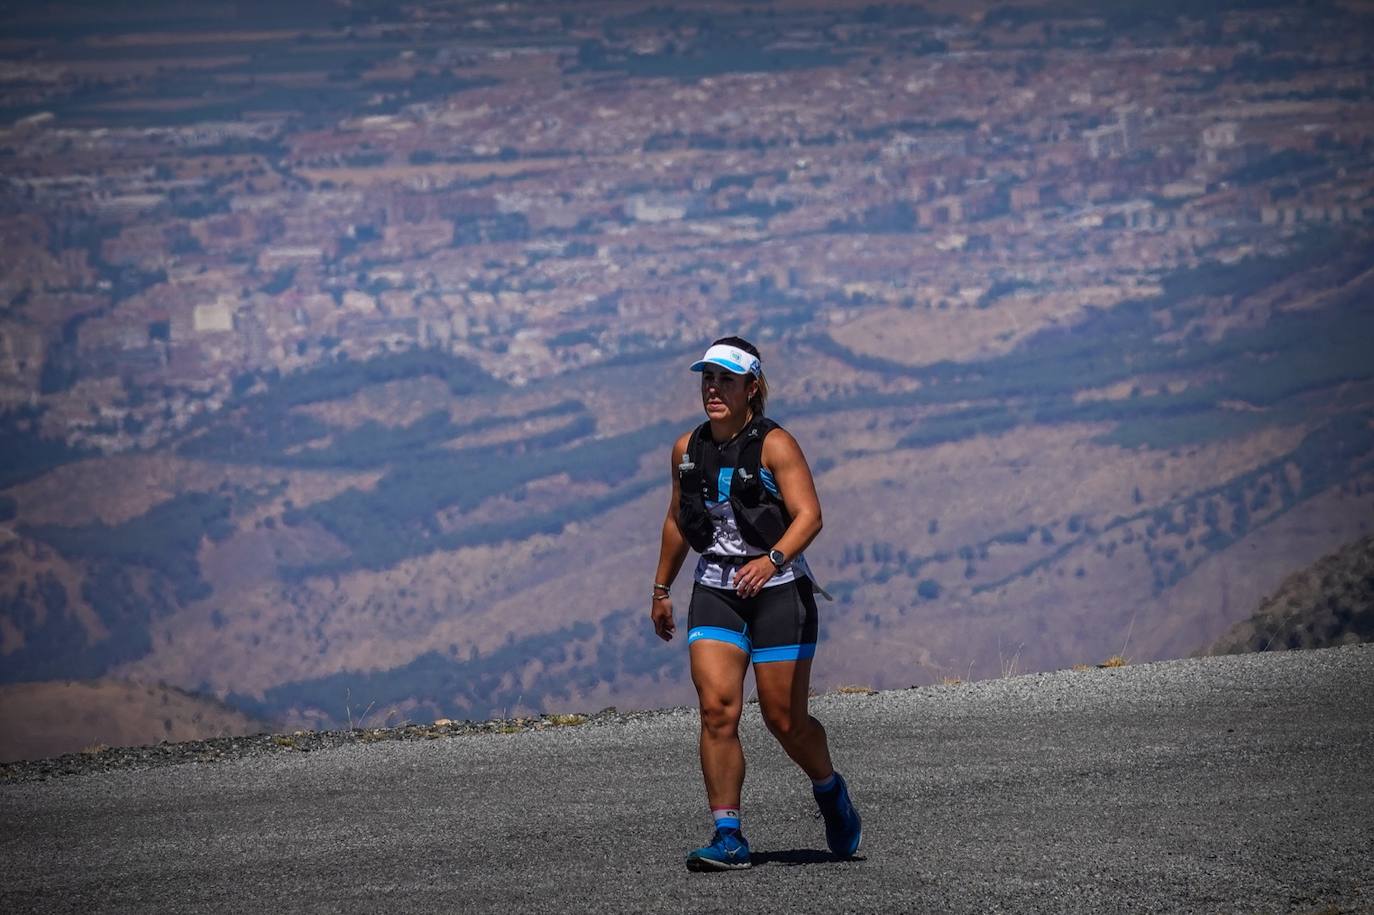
<point x="787" y="727"/>
<point x="720" y="719"/>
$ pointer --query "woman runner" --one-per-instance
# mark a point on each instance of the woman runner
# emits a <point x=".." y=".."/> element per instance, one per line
<point x="743" y="498"/>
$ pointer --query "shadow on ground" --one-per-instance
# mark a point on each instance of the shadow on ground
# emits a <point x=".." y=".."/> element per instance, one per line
<point x="796" y="856"/>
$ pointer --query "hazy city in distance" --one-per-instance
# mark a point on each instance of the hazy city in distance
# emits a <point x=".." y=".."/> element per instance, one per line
<point x="342" y="343"/>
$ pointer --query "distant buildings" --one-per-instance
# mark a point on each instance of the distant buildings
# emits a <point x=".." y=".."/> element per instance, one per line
<point x="547" y="215"/>
<point x="1117" y="138"/>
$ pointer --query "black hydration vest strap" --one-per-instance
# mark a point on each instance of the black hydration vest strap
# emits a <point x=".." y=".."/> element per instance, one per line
<point x="694" y="485"/>
<point x="702" y="455"/>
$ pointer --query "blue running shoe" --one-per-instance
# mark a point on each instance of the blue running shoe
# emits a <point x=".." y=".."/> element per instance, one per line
<point x="729" y="850"/>
<point x="843" y="829"/>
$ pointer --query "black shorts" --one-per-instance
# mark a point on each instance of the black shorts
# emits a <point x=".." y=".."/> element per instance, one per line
<point x="777" y="624"/>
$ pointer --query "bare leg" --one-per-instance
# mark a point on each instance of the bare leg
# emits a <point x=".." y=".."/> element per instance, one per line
<point x="783" y="690"/>
<point x="718" y="670"/>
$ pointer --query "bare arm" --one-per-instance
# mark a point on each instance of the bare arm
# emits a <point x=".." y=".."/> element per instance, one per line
<point x="784" y="459"/>
<point x="672" y="551"/>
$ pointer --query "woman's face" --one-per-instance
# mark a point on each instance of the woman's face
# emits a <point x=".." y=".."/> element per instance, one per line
<point x="725" y="395"/>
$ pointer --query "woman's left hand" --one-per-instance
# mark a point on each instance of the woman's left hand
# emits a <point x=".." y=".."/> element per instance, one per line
<point x="752" y="576"/>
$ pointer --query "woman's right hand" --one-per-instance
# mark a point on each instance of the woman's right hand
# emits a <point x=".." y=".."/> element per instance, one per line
<point x="662" y="614"/>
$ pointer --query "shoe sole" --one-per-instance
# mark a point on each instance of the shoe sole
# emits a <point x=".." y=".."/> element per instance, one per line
<point x="702" y="865"/>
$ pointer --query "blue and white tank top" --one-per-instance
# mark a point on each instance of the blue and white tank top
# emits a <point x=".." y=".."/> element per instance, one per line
<point x="727" y="540"/>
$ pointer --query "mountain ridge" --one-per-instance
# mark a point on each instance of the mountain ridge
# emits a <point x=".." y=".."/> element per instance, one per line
<point x="1331" y="602"/>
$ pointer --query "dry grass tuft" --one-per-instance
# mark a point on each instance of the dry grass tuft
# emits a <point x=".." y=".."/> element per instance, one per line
<point x="563" y="721"/>
<point x="1115" y="660"/>
<point x="1009" y="666"/>
<point x="857" y="690"/>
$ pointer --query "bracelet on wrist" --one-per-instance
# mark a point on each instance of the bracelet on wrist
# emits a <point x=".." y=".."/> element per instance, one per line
<point x="664" y="588"/>
<point x="661" y="595"/>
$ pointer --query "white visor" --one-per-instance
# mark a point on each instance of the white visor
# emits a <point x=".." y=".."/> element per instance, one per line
<point x="729" y="357"/>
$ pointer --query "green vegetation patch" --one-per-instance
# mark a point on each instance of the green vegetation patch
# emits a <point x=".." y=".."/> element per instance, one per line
<point x="164" y="539"/>
<point x="346" y="377"/>
<point x="28" y="455"/>
<point x="579" y="656"/>
<point x="959" y="425"/>
<point x="136" y="572"/>
<point x="394" y="520"/>
<point x="262" y="428"/>
<point x="713" y="54"/>
<point x="279" y="438"/>
<point x="58" y="646"/>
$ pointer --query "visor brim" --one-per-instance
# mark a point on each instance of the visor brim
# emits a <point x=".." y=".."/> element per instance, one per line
<point x="734" y="367"/>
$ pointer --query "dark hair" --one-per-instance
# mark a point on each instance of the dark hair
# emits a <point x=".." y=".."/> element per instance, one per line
<point x="761" y="394"/>
<point x="738" y="343"/>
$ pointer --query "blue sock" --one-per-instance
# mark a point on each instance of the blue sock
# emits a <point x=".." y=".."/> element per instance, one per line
<point x="825" y="784"/>
<point x="726" y="817"/>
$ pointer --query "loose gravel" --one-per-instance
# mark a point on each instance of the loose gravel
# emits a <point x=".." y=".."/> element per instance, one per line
<point x="221" y="749"/>
<point x="1238" y="784"/>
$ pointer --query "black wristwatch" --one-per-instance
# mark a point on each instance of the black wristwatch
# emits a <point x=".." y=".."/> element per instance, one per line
<point x="778" y="558"/>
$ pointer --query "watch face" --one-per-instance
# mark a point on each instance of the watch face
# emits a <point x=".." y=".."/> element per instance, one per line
<point x="778" y="557"/>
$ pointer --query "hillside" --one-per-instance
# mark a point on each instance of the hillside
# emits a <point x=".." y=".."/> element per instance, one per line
<point x="40" y="720"/>
<point x="1329" y="603"/>
<point x="340" y="357"/>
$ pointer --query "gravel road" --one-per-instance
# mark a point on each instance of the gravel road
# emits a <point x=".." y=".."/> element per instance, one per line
<point x="1237" y="784"/>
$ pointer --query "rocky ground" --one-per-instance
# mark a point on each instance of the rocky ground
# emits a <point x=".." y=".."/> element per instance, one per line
<point x="1228" y="784"/>
<point x="218" y="749"/>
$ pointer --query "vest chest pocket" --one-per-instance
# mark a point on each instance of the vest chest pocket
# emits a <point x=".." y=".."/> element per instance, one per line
<point x="692" y="518"/>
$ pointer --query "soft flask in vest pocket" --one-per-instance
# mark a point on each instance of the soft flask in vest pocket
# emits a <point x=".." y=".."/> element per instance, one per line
<point x="692" y="518"/>
<point x="762" y="520"/>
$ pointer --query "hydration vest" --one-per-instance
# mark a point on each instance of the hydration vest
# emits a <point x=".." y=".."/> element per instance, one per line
<point x="761" y="516"/>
